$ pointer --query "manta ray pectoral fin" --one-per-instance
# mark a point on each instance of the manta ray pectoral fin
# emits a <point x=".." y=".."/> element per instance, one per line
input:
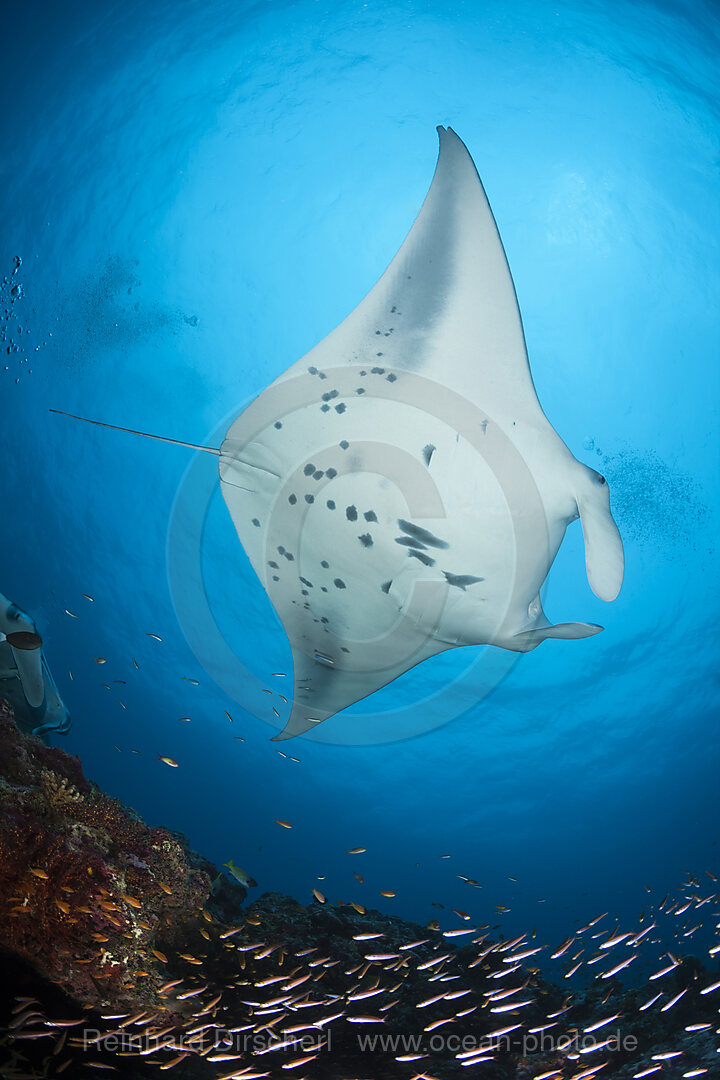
<point x="567" y="631"/>
<point x="604" y="555"/>
<point x="322" y="689"/>
<point x="324" y="684"/>
<point x="301" y="720"/>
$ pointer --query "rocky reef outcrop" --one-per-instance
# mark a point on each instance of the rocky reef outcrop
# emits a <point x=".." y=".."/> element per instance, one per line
<point x="123" y="950"/>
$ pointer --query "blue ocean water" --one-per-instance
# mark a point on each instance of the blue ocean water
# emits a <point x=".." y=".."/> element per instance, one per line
<point x="199" y="192"/>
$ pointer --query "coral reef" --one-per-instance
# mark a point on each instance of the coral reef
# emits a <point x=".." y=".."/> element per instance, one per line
<point x="85" y="876"/>
<point x="122" y="949"/>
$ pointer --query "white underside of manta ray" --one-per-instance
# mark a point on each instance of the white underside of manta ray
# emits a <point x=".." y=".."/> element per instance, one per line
<point x="399" y="490"/>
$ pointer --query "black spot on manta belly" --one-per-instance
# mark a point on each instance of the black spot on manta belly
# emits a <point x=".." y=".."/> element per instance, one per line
<point x="370" y="515"/>
<point x="422" y="557"/>
<point x="423" y="535"/>
<point x="324" y="408"/>
<point x="461" y="581"/>
<point x="330" y="504"/>
<point x="341" y="407"/>
<point x="386" y="586"/>
<point x="256" y="523"/>
<point x="366" y="540"/>
<point x="309" y="469"/>
<point x="339" y="583"/>
<point x="344" y="444"/>
<point x="331" y="473"/>
<point x="309" y="498"/>
<point x="292" y="499"/>
<point x="351" y="513"/>
<point x="407" y="541"/>
<point x="325" y="564"/>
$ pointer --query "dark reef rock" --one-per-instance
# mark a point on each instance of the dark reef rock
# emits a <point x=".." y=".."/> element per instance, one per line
<point x="89" y="894"/>
<point x="122" y="949"/>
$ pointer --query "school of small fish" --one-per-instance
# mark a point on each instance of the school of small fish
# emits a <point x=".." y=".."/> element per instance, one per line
<point x="286" y="994"/>
<point x="254" y="999"/>
<point x="192" y="682"/>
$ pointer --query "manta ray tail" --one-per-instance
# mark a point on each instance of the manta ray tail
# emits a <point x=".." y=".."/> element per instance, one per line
<point x="144" y="434"/>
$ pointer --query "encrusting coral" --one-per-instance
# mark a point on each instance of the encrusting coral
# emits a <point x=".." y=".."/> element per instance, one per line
<point x="81" y="872"/>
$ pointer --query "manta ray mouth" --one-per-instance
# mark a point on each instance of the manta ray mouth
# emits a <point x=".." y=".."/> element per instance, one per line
<point x="25" y="640"/>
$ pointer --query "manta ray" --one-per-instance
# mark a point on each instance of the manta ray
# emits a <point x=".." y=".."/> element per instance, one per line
<point x="399" y="490"/>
